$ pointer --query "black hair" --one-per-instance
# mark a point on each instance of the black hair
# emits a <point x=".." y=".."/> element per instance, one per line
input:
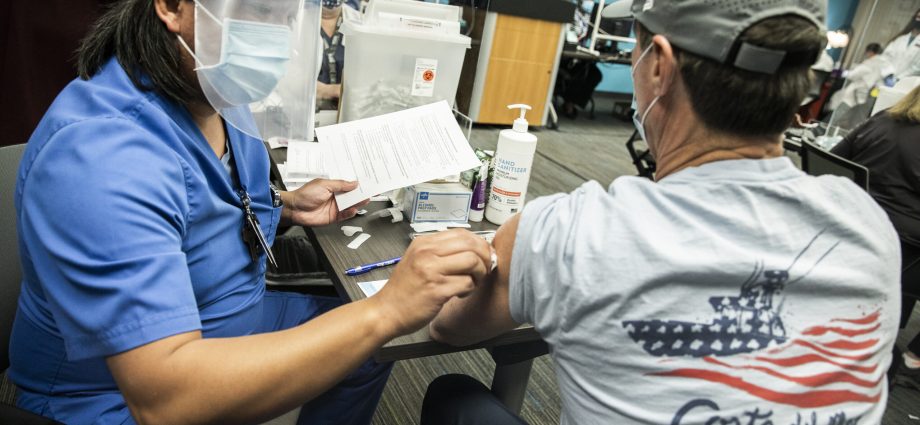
<point x="874" y="48"/>
<point x="132" y="32"/>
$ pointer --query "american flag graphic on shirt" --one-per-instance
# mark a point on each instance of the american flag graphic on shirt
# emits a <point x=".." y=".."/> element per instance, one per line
<point x="746" y="346"/>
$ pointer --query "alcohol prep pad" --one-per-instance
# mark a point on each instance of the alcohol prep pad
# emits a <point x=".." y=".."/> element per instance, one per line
<point x="438" y="202"/>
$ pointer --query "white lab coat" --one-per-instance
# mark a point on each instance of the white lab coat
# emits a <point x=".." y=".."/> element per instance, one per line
<point x="904" y="58"/>
<point x="860" y="81"/>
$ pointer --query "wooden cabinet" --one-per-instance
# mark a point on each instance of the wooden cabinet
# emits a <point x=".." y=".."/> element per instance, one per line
<point x="517" y="64"/>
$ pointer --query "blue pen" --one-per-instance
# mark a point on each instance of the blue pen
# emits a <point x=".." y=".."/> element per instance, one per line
<point x="372" y="266"/>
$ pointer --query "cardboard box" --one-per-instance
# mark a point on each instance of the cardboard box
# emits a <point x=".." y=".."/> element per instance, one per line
<point x="433" y="202"/>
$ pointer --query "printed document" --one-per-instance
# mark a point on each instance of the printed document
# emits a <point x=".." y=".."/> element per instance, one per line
<point x="307" y="158"/>
<point x="395" y="150"/>
<point x="371" y="288"/>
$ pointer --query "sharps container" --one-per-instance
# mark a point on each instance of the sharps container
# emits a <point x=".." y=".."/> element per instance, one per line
<point x="400" y="54"/>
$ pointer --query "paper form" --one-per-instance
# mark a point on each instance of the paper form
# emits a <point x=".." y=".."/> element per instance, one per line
<point x="395" y="150"/>
<point x="357" y="242"/>
<point x="306" y="158"/>
<point x="290" y="183"/>
<point x="371" y="288"/>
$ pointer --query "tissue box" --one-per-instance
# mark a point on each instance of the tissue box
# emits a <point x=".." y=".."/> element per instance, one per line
<point x="437" y="202"/>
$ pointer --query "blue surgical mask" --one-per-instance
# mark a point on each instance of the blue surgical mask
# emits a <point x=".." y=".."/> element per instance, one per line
<point x="637" y="121"/>
<point x="253" y="60"/>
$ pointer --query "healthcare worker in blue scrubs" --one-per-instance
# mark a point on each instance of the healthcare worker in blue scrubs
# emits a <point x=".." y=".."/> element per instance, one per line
<point x="329" y="82"/>
<point x="143" y="209"/>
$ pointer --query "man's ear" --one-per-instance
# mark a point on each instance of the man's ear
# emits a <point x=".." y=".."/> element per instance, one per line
<point x="665" y="66"/>
<point x="170" y="13"/>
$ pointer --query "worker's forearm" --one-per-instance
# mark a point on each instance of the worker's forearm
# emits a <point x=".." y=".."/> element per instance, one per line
<point x="485" y="313"/>
<point x="252" y="378"/>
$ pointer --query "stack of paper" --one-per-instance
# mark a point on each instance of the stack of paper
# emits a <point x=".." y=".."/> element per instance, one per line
<point x="305" y="161"/>
<point x="395" y="150"/>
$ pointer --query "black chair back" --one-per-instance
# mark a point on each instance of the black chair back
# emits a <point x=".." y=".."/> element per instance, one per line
<point x="10" y="269"/>
<point x="818" y="162"/>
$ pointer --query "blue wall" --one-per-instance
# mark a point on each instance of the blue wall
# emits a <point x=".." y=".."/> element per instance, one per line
<point x="840" y="16"/>
<point x="617" y="78"/>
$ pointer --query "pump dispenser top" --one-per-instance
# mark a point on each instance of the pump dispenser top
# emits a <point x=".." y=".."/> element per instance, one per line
<point x="520" y="125"/>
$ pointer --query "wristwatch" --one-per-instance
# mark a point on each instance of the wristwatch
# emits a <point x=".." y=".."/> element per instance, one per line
<point x="277" y="202"/>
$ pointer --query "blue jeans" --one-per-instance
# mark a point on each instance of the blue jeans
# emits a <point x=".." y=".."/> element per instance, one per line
<point x="462" y="400"/>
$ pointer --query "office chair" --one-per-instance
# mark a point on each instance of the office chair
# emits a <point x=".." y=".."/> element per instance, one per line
<point x="299" y="268"/>
<point x="818" y="162"/>
<point x="10" y="281"/>
<point x="642" y="159"/>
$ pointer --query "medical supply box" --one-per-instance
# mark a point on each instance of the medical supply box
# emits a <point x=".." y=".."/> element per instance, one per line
<point x="400" y="54"/>
<point x="437" y="202"/>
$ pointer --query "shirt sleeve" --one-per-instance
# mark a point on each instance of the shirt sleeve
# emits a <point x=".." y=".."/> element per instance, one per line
<point x="103" y="210"/>
<point x="541" y="278"/>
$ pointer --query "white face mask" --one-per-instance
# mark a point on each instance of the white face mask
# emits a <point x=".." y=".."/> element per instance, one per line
<point x="640" y="122"/>
<point x="253" y="59"/>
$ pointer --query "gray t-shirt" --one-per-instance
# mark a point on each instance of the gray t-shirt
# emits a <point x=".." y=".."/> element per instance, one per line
<point x="739" y="289"/>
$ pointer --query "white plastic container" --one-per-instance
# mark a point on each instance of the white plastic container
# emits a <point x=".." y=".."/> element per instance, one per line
<point x="414" y="8"/>
<point x="400" y="55"/>
<point x="513" y="161"/>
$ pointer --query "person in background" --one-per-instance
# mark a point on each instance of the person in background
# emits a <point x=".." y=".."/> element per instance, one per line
<point x="851" y="105"/>
<point x="861" y="79"/>
<point x="903" y="52"/>
<point x="872" y="50"/>
<point x="329" y="83"/>
<point x="888" y="144"/>
<point x="140" y="201"/>
<point x="733" y="289"/>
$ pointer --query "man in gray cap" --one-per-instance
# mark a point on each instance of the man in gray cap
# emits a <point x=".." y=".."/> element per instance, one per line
<point x="735" y="288"/>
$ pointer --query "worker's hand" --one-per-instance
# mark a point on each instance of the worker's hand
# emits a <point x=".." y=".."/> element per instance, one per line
<point x="314" y="203"/>
<point x="433" y="270"/>
<point x="328" y="91"/>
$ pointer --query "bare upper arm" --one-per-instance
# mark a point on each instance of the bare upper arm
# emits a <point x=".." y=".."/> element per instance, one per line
<point x="141" y="371"/>
<point x="487" y="309"/>
<point x="504" y="247"/>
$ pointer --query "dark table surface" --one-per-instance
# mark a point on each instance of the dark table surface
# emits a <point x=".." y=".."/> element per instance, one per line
<point x="390" y="240"/>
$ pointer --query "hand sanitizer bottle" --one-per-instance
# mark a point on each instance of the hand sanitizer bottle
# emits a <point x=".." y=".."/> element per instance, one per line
<point x="512" y="163"/>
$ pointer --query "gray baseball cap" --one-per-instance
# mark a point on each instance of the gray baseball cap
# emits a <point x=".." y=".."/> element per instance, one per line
<point x="710" y="28"/>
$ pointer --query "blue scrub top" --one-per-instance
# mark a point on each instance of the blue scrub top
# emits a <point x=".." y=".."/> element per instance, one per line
<point x="129" y="232"/>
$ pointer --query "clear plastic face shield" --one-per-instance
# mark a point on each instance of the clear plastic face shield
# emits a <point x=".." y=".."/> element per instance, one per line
<point x="256" y="62"/>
